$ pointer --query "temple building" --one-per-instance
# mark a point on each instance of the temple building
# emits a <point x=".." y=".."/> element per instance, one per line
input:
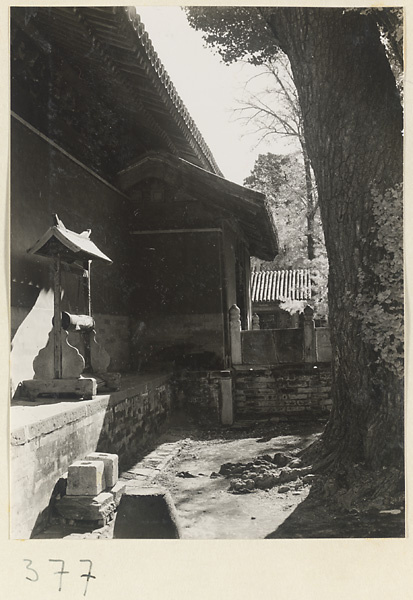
<point x="101" y="138"/>
<point x="128" y="250"/>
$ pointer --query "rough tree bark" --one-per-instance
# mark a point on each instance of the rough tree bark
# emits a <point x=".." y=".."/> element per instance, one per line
<point x="353" y="129"/>
<point x="311" y="207"/>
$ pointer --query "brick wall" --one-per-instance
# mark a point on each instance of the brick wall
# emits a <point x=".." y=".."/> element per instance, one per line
<point x="46" y="439"/>
<point x="200" y="394"/>
<point x="288" y="391"/>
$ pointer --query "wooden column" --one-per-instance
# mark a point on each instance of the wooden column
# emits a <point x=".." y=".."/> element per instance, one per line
<point x="87" y="298"/>
<point x="86" y="287"/>
<point x="235" y="333"/>
<point x="57" y="326"/>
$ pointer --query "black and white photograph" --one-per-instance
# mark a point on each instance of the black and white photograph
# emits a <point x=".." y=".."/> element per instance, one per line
<point x="206" y="274"/>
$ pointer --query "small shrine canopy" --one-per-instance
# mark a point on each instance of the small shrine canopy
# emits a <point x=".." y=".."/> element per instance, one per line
<point x="71" y="246"/>
<point x="270" y="286"/>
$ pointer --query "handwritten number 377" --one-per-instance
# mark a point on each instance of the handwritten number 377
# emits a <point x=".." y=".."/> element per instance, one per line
<point x="33" y="575"/>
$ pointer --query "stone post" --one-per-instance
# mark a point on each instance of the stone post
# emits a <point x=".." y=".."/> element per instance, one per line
<point x="235" y="334"/>
<point x="227" y="408"/>
<point x="309" y="336"/>
<point x="255" y="322"/>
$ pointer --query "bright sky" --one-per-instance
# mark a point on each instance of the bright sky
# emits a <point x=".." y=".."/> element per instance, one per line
<point x="208" y="88"/>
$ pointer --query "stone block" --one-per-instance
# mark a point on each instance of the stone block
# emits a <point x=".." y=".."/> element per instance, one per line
<point x="87" y="508"/>
<point x="85" y="478"/>
<point x="146" y="513"/>
<point x="111" y="467"/>
<point x="117" y="491"/>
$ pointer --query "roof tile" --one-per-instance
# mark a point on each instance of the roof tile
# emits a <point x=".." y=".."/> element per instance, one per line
<point x="269" y="286"/>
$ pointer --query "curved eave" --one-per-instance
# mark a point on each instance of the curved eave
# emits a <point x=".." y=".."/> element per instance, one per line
<point x="247" y="206"/>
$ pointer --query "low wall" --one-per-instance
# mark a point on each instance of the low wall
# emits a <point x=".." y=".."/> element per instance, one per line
<point x="204" y="395"/>
<point x="284" y="392"/>
<point x="279" y="346"/>
<point x="272" y="346"/>
<point x="46" y="437"/>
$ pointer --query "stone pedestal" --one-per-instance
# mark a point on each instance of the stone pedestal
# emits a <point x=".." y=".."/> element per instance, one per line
<point x="72" y="362"/>
<point x="85" y="387"/>
<point x="99" y="508"/>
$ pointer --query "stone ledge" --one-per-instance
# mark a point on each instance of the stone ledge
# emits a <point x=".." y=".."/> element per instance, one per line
<point x="46" y="417"/>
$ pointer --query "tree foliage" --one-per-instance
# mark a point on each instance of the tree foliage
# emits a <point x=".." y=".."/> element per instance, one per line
<point x="379" y="301"/>
<point x="281" y="179"/>
<point x="235" y="32"/>
<point x="242" y="32"/>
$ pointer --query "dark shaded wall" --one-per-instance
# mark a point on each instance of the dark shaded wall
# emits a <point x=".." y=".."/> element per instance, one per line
<point x="177" y="298"/>
<point x="237" y="274"/>
<point x="271" y="346"/>
<point x="45" y="181"/>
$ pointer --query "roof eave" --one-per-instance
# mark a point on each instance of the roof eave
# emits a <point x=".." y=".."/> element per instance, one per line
<point x="263" y="241"/>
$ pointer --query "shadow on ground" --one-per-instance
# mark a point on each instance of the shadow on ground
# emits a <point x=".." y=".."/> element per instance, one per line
<point x="313" y="518"/>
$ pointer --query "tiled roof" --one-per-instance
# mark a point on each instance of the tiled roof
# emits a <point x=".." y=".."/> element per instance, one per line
<point x="269" y="286"/>
<point x="169" y="87"/>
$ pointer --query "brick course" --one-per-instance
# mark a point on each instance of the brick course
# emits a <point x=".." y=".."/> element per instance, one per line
<point x="282" y="391"/>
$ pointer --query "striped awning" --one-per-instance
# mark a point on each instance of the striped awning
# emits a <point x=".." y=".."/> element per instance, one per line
<point x="269" y="286"/>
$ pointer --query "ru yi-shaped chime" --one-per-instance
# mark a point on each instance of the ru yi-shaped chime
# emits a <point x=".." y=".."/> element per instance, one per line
<point x="59" y="366"/>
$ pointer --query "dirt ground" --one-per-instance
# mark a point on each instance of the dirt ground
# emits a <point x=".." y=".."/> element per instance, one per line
<point x="208" y="508"/>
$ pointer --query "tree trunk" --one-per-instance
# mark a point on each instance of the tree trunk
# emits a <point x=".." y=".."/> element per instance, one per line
<point x="353" y="130"/>
<point x="310" y="200"/>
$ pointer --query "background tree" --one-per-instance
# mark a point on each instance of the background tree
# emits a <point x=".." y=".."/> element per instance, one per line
<point x="353" y="125"/>
<point x="275" y="113"/>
